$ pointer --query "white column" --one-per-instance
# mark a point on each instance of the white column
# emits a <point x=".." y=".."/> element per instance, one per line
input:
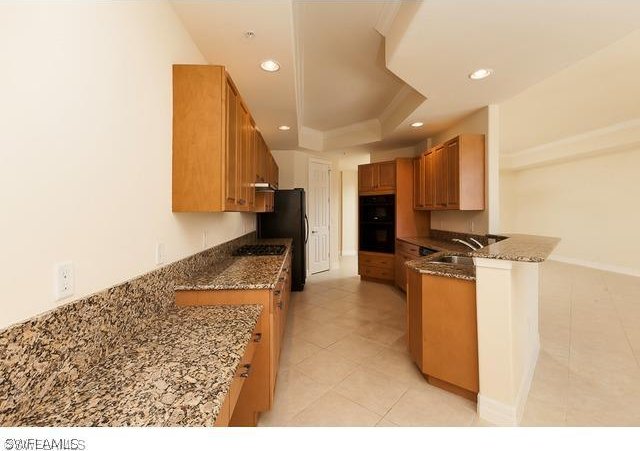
<point x="508" y="341"/>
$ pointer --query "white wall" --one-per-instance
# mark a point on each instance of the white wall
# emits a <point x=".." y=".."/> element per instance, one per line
<point x="349" y="219"/>
<point x="590" y="203"/>
<point x="388" y="155"/>
<point x="466" y="221"/>
<point x="588" y="199"/>
<point x="85" y="148"/>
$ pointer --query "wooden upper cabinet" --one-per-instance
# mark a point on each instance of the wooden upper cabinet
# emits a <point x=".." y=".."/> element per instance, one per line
<point x="386" y="176"/>
<point x="218" y="154"/>
<point x="453" y="175"/>
<point x="440" y="171"/>
<point x="418" y="183"/>
<point x="429" y="181"/>
<point x="376" y="178"/>
<point x="232" y="157"/>
<point x="365" y="178"/>
<point x="452" y="158"/>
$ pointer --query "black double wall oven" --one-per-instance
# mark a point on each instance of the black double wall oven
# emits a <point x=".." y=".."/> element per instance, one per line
<point x="377" y="223"/>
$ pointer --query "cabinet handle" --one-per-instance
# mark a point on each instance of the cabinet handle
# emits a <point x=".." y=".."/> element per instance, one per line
<point x="247" y="367"/>
<point x="257" y="337"/>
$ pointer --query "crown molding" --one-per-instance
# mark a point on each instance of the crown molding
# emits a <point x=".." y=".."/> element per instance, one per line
<point x="403" y="104"/>
<point x="619" y="137"/>
<point x="387" y="16"/>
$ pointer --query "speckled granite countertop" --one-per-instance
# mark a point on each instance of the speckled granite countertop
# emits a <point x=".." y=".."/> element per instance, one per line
<point x="425" y="265"/>
<point x="176" y="373"/>
<point x="240" y="273"/>
<point x="521" y="248"/>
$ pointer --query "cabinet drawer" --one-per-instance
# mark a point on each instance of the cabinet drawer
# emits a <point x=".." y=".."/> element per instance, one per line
<point x="377" y="273"/>
<point x="407" y="248"/>
<point x="377" y="261"/>
<point x="243" y="372"/>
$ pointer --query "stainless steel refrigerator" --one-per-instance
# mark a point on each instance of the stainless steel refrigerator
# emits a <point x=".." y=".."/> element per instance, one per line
<point x="289" y="220"/>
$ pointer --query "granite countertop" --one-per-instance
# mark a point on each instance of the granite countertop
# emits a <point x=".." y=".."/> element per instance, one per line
<point x="425" y="265"/>
<point x="521" y="248"/>
<point x="240" y="273"/>
<point x="176" y="373"/>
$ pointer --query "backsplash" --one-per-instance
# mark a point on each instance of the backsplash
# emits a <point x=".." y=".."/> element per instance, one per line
<point x="446" y="235"/>
<point x="56" y="346"/>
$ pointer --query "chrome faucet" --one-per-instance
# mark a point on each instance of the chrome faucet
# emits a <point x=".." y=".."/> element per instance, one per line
<point x="477" y="242"/>
<point x="458" y="240"/>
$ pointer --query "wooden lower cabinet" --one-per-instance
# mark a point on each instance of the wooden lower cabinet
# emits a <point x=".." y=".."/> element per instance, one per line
<point x="376" y="266"/>
<point x="404" y="252"/>
<point x="442" y="335"/>
<point x="257" y="390"/>
<point x="239" y="408"/>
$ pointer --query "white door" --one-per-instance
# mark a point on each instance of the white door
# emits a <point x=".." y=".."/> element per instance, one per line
<point x="319" y="189"/>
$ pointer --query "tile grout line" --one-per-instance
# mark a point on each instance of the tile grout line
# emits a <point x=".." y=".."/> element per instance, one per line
<point x="624" y="330"/>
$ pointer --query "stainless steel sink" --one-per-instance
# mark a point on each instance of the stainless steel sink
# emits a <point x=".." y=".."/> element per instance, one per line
<point x="454" y="260"/>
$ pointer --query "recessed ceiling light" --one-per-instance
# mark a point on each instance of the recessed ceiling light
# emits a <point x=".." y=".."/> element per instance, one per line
<point x="249" y="34"/>
<point x="417" y="124"/>
<point x="270" y="65"/>
<point x="284" y="128"/>
<point x="480" y="74"/>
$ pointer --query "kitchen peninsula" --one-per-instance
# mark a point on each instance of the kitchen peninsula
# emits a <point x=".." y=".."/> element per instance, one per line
<point x="506" y="276"/>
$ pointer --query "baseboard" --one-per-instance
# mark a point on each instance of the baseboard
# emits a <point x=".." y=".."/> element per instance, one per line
<point x="502" y="414"/>
<point x="596" y="265"/>
<point x="496" y="412"/>
<point x="349" y="253"/>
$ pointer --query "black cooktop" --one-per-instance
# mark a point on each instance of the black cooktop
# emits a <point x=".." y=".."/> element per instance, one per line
<point x="249" y="250"/>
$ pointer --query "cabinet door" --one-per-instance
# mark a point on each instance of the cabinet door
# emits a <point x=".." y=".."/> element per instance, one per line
<point x="251" y="168"/>
<point x="365" y="177"/>
<point x="452" y="152"/>
<point x="418" y="183"/>
<point x="401" y="271"/>
<point x="276" y="174"/>
<point x="440" y="176"/>
<point x="386" y="176"/>
<point x="243" y="157"/>
<point x="272" y="169"/>
<point x="262" y="159"/>
<point x="414" y="316"/>
<point x="428" y="164"/>
<point x="231" y="157"/>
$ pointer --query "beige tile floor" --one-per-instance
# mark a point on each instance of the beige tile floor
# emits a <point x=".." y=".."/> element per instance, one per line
<point x="344" y="361"/>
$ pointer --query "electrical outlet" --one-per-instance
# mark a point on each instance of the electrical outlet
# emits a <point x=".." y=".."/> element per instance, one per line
<point x="159" y="253"/>
<point x="204" y="239"/>
<point x="64" y="280"/>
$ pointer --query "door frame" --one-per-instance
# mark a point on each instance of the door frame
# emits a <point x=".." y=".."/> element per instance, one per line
<point x="330" y="164"/>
